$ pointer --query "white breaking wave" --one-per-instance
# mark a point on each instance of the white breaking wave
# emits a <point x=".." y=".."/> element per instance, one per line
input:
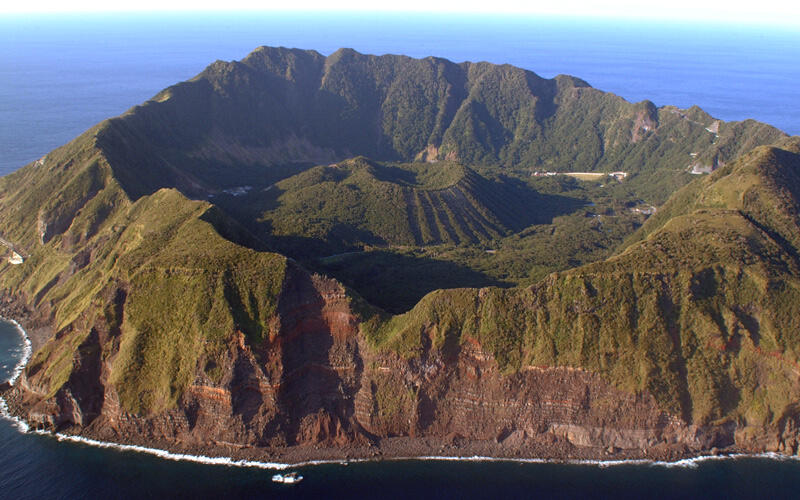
<point x="20" y="424"/>
<point x="570" y="461"/>
<point x="26" y="352"/>
<point x="178" y="457"/>
<point x="692" y="463"/>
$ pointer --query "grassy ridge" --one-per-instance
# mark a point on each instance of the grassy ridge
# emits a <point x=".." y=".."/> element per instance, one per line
<point x="690" y="316"/>
<point x="182" y="290"/>
<point x="187" y="290"/>
<point x="699" y="313"/>
<point x="762" y="183"/>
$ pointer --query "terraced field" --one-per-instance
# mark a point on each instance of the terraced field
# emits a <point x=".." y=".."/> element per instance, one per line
<point x="362" y="203"/>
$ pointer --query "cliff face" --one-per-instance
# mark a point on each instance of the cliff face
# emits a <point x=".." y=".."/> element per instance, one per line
<point x="319" y="382"/>
<point x="662" y="375"/>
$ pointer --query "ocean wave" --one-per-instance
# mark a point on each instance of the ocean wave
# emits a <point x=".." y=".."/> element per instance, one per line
<point x="20" y="424"/>
<point x="555" y="461"/>
<point x="27" y="350"/>
<point x="168" y="455"/>
<point x="692" y="463"/>
<point x="689" y="463"/>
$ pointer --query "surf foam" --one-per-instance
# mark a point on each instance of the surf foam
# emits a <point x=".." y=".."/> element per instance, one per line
<point x="26" y="352"/>
<point x="20" y="424"/>
<point x="167" y="455"/>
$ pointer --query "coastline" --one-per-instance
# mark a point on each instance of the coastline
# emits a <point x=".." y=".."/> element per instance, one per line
<point x="327" y="456"/>
<point x="691" y="462"/>
<point x="26" y="353"/>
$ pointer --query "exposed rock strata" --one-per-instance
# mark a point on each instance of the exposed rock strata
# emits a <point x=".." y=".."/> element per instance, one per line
<point x="317" y="389"/>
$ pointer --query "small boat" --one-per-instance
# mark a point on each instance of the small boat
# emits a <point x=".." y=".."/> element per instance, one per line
<point x="288" y="478"/>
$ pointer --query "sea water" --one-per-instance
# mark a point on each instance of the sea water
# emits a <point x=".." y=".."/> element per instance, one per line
<point x="60" y="75"/>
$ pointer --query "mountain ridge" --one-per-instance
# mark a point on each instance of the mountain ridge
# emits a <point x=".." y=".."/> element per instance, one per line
<point x="467" y="124"/>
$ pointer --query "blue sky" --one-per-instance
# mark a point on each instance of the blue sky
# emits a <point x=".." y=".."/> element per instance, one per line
<point x="762" y="12"/>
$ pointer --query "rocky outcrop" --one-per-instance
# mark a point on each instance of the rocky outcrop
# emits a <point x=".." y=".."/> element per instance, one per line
<point x="292" y="389"/>
<point x="645" y="121"/>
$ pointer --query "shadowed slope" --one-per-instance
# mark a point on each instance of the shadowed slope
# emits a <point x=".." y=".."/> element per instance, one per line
<point x="344" y="206"/>
<point x="235" y="122"/>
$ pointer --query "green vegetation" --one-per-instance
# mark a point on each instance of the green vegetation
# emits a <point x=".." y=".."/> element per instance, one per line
<point x="259" y="120"/>
<point x="278" y="112"/>
<point x="187" y="292"/>
<point x="689" y="315"/>
<point x="358" y="202"/>
<point x="446" y="225"/>
<point x="397" y="231"/>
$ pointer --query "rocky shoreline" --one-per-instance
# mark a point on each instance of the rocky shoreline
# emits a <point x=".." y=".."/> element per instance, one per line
<point x="643" y="434"/>
<point x="546" y="449"/>
<point x="405" y="448"/>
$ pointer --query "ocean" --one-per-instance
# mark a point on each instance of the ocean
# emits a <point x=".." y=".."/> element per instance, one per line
<point x="59" y="75"/>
